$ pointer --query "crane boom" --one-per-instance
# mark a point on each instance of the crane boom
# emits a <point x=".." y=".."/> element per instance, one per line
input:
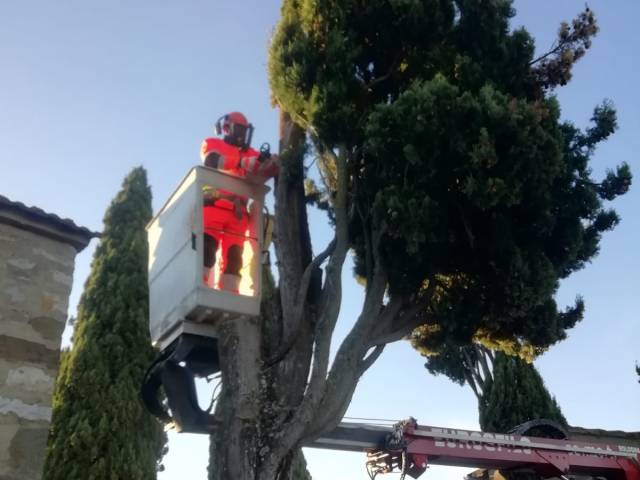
<point x="408" y="448"/>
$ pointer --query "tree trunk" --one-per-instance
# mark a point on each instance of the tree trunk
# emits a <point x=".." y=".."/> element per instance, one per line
<point x="235" y="442"/>
<point x="233" y="445"/>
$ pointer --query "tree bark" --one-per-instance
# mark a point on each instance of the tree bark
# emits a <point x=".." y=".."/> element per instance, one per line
<point x="235" y="443"/>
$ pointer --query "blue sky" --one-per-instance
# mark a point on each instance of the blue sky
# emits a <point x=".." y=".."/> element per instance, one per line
<point x="91" y="89"/>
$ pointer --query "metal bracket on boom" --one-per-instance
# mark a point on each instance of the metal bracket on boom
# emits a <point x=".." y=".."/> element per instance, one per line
<point x="394" y="457"/>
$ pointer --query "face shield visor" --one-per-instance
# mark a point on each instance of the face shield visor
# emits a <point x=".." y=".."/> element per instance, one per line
<point x="234" y="133"/>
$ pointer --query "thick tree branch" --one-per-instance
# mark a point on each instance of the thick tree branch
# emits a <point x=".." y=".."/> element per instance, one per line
<point x="382" y="329"/>
<point x="336" y="400"/>
<point x="303" y="291"/>
<point x="370" y="359"/>
<point x="294" y="254"/>
<point x="293" y="240"/>
<point x="332" y="290"/>
<point x="350" y="360"/>
<point x="329" y="309"/>
<point x="406" y="317"/>
<point x="324" y="405"/>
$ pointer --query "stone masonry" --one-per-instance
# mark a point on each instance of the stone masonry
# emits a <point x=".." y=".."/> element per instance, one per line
<point x="37" y="254"/>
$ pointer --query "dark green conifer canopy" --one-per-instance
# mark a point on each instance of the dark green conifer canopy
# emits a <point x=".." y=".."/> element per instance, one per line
<point x="462" y="174"/>
<point x="99" y="429"/>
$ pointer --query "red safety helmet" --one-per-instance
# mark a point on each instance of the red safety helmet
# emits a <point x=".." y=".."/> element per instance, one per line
<point x="236" y="129"/>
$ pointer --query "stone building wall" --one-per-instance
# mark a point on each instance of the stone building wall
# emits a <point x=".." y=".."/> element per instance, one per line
<point x="36" y="274"/>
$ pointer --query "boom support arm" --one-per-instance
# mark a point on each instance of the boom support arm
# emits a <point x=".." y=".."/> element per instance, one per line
<point x="409" y="448"/>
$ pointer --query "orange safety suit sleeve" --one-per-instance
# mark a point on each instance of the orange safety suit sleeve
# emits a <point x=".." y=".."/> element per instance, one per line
<point x="212" y="152"/>
<point x="249" y="161"/>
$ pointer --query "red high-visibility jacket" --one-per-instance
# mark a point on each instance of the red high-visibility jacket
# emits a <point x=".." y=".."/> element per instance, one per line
<point x="230" y="158"/>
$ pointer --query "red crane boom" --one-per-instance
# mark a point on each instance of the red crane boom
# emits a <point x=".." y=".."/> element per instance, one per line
<point x="409" y="448"/>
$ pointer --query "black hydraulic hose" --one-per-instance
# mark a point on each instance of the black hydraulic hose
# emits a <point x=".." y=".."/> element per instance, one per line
<point x="150" y="388"/>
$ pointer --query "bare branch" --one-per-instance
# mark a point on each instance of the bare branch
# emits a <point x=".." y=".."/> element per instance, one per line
<point x="555" y="48"/>
<point x="293" y="245"/>
<point x="375" y="81"/>
<point x="329" y="307"/>
<point x="372" y="83"/>
<point x="303" y="290"/>
<point x="370" y="359"/>
<point x="328" y="416"/>
<point x="351" y="359"/>
<point x="405" y="319"/>
<point x="305" y="281"/>
<point x="472" y="367"/>
<point x="482" y="360"/>
<point x="381" y="334"/>
<point x="294" y="252"/>
<point x="388" y="333"/>
<point x="336" y="399"/>
<point x="469" y="378"/>
<point x="491" y="355"/>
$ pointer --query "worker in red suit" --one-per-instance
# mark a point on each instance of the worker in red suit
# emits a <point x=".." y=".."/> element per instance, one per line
<point x="225" y="214"/>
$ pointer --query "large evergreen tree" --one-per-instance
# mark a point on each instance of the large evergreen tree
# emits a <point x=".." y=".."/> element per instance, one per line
<point x="99" y="429"/>
<point x="445" y="169"/>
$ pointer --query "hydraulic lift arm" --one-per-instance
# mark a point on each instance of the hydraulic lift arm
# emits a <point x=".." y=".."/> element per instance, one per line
<point x="408" y="448"/>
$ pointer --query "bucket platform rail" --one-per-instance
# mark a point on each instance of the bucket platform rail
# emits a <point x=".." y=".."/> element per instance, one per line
<point x="205" y="258"/>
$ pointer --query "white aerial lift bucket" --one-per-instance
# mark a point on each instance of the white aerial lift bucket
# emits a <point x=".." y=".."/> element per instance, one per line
<point x="188" y="283"/>
<point x="180" y="297"/>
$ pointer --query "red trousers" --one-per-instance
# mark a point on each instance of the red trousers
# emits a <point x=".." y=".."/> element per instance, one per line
<point x="226" y="231"/>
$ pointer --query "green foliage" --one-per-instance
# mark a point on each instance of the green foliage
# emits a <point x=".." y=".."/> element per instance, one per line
<point x="458" y="160"/>
<point x="517" y="394"/>
<point x="455" y="361"/>
<point x="554" y="67"/>
<point x="99" y="429"/>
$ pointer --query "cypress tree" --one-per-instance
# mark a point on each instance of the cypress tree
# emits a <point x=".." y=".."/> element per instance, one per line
<point x="516" y="395"/>
<point x="99" y="428"/>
